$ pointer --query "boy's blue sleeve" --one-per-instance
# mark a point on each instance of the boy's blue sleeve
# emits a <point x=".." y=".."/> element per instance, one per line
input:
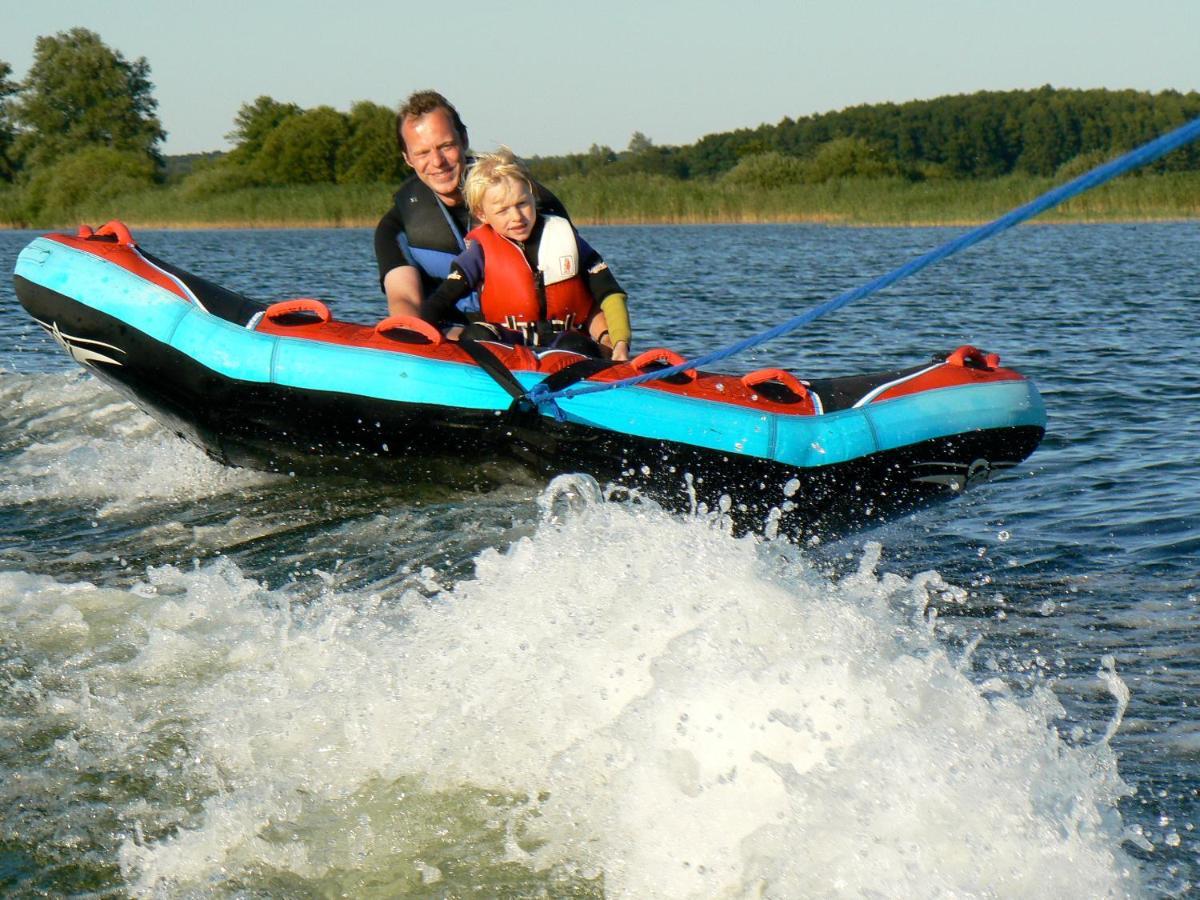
<point x="470" y="262"/>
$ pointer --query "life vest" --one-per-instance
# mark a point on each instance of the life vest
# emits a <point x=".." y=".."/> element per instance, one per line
<point x="516" y="296"/>
<point x="430" y="236"/>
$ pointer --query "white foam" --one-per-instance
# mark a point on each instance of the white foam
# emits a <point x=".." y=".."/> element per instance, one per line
<point x="650" y="700"/>
<point x="80" y="441"/>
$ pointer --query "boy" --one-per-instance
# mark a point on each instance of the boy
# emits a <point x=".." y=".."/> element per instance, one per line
<point x="540" y="283"/>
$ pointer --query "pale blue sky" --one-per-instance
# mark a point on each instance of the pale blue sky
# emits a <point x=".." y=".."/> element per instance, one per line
<point x="551" y="77"/>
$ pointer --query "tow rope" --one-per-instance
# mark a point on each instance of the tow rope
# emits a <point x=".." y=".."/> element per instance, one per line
<point x="543" y="395"/>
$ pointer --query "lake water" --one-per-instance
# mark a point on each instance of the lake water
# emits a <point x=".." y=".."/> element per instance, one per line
<point x="219" y="682"/>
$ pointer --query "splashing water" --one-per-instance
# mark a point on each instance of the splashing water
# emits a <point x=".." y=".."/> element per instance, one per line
<point x="111" y="452"/>
<point x="621" y="702"/>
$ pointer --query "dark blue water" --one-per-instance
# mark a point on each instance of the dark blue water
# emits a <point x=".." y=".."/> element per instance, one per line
<point x="219" y="682"/>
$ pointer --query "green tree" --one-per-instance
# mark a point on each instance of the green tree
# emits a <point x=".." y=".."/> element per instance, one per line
<point x="254" y="124"/>
<point x="221" y="177"/>
<point x="370" y="154"/>
<point x="1045" y="139"/>
<point x="80" y="92"/>
<point x="7" y="132"/>
<point x="767" y="171"/>
<point x="598" y="160"/>
<point x="714" y="153"/>
<point x="846" y="157"/>
<point x="91" y="174"/>
<point x="639" y="143"/>
<point x="303" y="149"/>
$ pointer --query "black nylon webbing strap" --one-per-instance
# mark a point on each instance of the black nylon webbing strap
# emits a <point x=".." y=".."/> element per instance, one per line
<point x="490" y="363"/>
<point x="503" y="376"/>
<point x="576" y="371"/>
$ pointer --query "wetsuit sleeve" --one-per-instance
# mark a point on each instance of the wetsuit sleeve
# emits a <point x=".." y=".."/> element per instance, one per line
<point x="605" y="290"/>
<point x="466" y="274"/>
<point x="600" y="279"/>
<point x="442" y="305"/>
<point x="616" y="315"/>
<point x="388" y="253"/>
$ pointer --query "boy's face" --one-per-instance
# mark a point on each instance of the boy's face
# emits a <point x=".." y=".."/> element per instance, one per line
<point x="509" y="208"/>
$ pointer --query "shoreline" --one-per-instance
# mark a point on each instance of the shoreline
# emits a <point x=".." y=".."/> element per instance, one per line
<point x="631" y="221"/>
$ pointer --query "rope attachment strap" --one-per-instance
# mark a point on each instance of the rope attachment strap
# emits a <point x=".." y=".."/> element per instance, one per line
<point x="1140" y="156"/>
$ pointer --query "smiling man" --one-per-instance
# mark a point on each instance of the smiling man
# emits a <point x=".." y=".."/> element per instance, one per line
<point x="423" y="231"/>
<point x="416" y="239"/>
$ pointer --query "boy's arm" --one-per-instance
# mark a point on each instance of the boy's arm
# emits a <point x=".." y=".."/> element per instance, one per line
<point x="616" y="317"/>
<point x="466" y="272"/>
<point x="442" y="305"/>
<point x="609" y="294"/>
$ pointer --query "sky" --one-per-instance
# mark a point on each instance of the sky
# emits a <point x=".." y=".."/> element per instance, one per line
<point x="552" y="76"/>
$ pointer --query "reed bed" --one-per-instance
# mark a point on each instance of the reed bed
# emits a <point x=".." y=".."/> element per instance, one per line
<point x="892" y="201"/>
<point x="648" y="199"/>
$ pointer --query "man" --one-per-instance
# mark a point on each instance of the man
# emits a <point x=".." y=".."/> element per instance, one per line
<point x="423" y="231"/>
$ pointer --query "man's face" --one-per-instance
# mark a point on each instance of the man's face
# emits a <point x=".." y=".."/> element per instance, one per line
<point x="433" y="149"/>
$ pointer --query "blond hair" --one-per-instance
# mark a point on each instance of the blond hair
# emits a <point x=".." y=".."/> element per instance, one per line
<point x="491" y="169"/>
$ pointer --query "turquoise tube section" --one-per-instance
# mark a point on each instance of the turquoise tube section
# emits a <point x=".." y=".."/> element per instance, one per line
<point x="644" y="412"/>
<point x="806" y="441"/>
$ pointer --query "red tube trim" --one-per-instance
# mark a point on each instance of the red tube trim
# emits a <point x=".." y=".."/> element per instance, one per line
<point x="644" y="360"/>
<point x="277" y="311"/>
<point x="117" y="229"/>
<point x="409" y="323"/>
<point x="780" y="376"/>
<point x="966" y="355"/>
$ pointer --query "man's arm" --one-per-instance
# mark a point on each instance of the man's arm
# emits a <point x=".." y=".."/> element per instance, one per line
<point x="402" y="287"/>
<point x="398" y="277"/>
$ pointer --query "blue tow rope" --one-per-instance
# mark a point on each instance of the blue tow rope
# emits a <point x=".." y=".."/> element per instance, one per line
<point x="1147" y="153"/>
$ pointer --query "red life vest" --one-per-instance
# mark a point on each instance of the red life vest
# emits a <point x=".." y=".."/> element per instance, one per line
<point x="510" y="297"/>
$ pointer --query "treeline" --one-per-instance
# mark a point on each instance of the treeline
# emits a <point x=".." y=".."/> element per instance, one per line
<point x="988" y="134"/>
<point x="82" y="129"/>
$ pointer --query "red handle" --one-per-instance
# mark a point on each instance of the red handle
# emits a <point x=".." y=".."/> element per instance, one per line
<point x="298" y="305"/>
<point x="779" y="376"/>
<point x="966" y="355"/>
<point x="117" y="229"/>
<point x="644" y="360"/>
<point x="409" y="323"/>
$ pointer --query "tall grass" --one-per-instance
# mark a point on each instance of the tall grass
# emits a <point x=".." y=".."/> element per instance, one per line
<point x="639" y="198"/>
<point x="870" y="201"/>
<point x="322" y="205"/>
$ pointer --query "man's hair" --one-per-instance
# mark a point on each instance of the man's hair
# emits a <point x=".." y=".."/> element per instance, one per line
<point x="491" y="169"/>
<point x="420" y="103"/>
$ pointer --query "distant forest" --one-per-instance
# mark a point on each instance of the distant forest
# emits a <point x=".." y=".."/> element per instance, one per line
<point x="982" y="135"/>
